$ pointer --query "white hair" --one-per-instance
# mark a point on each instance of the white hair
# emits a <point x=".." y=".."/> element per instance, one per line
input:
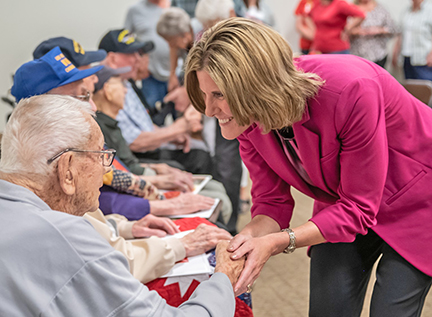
<point x="173" y="22"/>
<point x="207" y="11"/>
<point x="39" y="128"/>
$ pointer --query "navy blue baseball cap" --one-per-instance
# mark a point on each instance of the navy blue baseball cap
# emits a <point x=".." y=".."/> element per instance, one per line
<point x="50" y="71"/>
<point x="71" y="49"/>
<point x="122" y="41"/>
<point x="107" y="72"/>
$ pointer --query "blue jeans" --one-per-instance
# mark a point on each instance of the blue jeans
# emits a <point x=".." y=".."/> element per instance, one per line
<point x="340" y="273"/>
<point x="154" y="90"/>
<point x="416" y="72"/>
<point x="341" y="52"/>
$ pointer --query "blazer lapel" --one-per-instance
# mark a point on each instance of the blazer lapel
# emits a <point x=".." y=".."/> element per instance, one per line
<point x="310" y="148"/>
<point x="270" y="150"/>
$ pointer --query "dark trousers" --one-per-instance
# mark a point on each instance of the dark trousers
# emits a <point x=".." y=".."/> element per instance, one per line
<point x="416" y="72"/>
<point x="229" y="172"/>
<point x="340" y="273"/>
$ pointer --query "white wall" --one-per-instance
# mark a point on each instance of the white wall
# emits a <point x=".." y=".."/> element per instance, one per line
<point x="26" y="23"/>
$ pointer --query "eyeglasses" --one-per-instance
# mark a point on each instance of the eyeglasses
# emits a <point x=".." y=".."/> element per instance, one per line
<point x="107" y="156"/>
<point x="85" y="97"/>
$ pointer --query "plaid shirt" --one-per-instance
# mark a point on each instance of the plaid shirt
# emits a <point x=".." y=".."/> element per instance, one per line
<point x="133" y="119"/>
<point x="417" y="33"/>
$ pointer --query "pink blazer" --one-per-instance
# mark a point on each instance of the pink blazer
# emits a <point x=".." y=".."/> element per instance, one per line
<point x="366" y="144"/>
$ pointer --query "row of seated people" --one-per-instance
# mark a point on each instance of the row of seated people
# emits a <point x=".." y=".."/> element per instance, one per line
<point x="132" y="181"/>
<point x="54" y="74"/>
<point x="130" y="194"/>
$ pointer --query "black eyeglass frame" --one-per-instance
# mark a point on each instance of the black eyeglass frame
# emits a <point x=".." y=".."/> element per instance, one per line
<point x="109" y="151"/>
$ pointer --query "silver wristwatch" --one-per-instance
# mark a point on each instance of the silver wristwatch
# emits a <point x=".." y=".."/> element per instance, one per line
<point x="292" y="242"/>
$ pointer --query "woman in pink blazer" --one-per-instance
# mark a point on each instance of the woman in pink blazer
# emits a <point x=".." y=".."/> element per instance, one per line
<point x="341" y="130"/>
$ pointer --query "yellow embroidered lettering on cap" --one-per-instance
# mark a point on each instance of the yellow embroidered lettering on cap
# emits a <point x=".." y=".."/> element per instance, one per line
<point x="125" y="37"/>
<point x="59" y="57"/>
<point x="78" y="48"/>
<point x="69" y="68"/>
<point x="65" y="62"/>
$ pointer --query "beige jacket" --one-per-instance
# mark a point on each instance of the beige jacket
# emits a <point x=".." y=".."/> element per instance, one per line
<point x="148" y="258"/>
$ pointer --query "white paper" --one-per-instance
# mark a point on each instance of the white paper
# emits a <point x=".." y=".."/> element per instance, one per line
<point x="178" y="235"/>
<point x="195" y="265"/>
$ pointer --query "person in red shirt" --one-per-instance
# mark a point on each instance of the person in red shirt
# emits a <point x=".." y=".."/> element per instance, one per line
<point x="304" y="25"/>
<point x="330" y="17"/>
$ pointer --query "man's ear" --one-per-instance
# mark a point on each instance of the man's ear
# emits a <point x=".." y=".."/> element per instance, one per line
<point x="110" y="60"/>
<point x="67" y="173"/>
<point x="107" y="91"/>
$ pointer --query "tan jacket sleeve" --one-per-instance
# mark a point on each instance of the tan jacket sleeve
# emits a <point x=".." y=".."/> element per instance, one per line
<point x="148" y="258"/>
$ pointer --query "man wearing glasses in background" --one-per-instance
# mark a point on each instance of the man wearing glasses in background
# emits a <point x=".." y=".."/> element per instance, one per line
<point x="52" y="262"/>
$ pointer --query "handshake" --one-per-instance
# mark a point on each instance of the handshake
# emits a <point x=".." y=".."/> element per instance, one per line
<point x="225" y="265"/>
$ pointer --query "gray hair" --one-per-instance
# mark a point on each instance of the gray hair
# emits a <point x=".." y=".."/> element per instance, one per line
<point x="173" y="22"/>
<point x="210" y="10"/>
<point x="39" y="128"/>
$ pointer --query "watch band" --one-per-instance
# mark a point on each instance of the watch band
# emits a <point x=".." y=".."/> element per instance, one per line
<point x="292" y="243"/>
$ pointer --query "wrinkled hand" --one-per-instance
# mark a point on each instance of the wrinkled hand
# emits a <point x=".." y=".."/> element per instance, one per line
<point x="180" y="98"/>
<point x="181" y="181"/>
<point x="153" y="226"/>
<point x="189" y="203"/>
<point x="203" y="239"/>
<point x="257" y="252"/>
<point x="163" y="169"/>
<point x="224" y="264"/>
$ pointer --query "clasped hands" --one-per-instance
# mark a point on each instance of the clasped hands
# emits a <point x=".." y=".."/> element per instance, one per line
<point x="242" y="259"/>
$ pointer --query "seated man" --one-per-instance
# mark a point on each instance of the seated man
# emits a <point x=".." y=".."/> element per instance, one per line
<point x="54" y="263"/>
<point x="141" y="134"/>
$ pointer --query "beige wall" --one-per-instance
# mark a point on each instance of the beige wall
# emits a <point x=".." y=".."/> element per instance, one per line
<point x="25" y="23"/>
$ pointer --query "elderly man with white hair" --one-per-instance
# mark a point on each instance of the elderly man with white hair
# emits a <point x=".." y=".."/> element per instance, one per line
<point x="53" y="263"/>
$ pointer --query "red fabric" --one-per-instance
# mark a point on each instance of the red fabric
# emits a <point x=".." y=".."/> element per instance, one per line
<point x="191" y="223"/>
<point x="171" y="293"/>
<point x="330" y="21"/>
<point x="119" y="166"/>
<point x="303" y="8"/>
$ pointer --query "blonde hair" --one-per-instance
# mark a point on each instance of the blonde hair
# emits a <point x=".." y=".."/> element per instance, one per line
<point x="253" y="67"/>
